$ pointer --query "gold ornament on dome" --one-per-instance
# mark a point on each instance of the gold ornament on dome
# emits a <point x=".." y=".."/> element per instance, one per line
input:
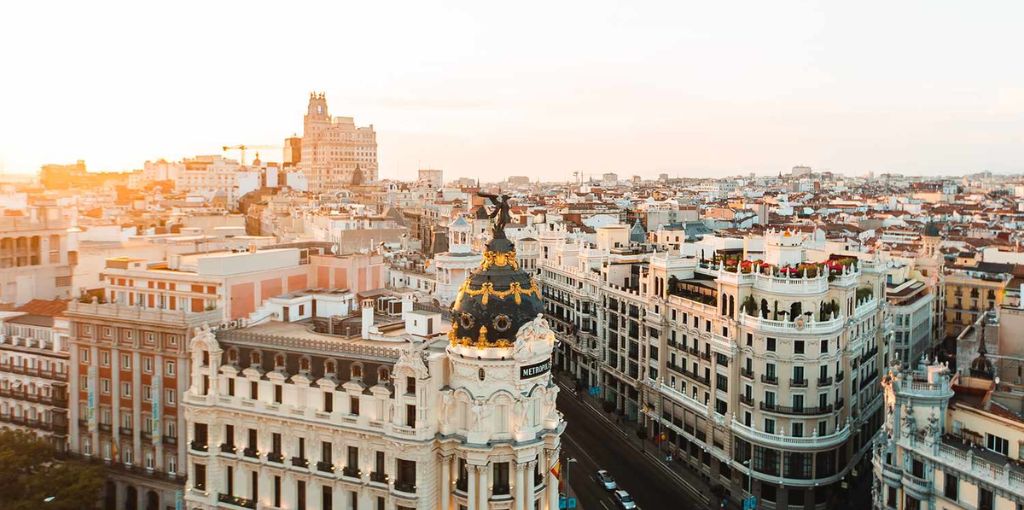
<point x="499" y="259"/>
<point x="481" y="340"/>
<point x="487" y="290"/>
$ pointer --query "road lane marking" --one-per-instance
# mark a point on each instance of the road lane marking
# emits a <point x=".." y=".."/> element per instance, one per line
<point x="605" y="507"/>
<point x="700" y="495"/>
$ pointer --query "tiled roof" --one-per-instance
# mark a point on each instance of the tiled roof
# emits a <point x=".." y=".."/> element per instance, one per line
<point x="46" y="307"/>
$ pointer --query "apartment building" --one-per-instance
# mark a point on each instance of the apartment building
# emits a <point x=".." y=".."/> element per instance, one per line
<point x="761" y="376"/>
<point x="402" y="411"/>
<point x="35" y="258"/>
<point x="972" y="290"/>
<point x="130" y="364"/>
<point x="951" y="441"/>
<point x="34" y="370"/>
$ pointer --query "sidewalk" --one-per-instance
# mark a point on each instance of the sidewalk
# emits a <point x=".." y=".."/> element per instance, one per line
<point x="687" y="478"/>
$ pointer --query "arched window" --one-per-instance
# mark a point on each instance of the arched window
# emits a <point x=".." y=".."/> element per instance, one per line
<point x="304" y="364"/>
<point x="356" y="371"/>
<point x="330" y="367"/>
<point x="233" y="355"/>
<point x="278" y="361"/>
<point x="383" y="374"/>
<point x="255" y="359"/>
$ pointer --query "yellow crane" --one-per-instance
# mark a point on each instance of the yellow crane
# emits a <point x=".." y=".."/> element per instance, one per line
<point x="242" y="148"/>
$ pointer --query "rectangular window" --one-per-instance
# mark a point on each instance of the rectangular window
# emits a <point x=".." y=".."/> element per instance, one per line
<point x="997" y="444"/>
<point x="105" y="359"/>
<point x="824" y="346"/>
<point x="355" y="406"/>
<point x="277" y="491"/>
<point x="170" y="368"/>
<point x="231" y="386"/>
<point x="326" y="498"/>
<point x="278" y="393"/>
<point x="254" y="390"/>
<point x="951" y="487"/>
<point x="300" y="489"/>
<point x="798" y="347"/>
<point x="328" y="402"/>
<point x="770" y="344"/>
<point x="410" y="416"/>
<point x="147" y="365"/>
<point x="169" y="398"/>
<point x="199" y="476"/>
<point x="126" y="390"/>
<point x="105" y="386"/>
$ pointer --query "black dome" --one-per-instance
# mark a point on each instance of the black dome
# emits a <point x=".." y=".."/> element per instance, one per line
<point x="495" y="300"/>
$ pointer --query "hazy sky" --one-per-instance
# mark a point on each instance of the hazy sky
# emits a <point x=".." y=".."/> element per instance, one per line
<point x="541" y="89"/>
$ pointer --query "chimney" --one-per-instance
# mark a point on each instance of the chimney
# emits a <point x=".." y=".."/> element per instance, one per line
<point x="406" y="305"/>
<point x="367" y="318"/>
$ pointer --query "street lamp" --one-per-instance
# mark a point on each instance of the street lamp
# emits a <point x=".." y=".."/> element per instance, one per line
<point x="568" y="461"/>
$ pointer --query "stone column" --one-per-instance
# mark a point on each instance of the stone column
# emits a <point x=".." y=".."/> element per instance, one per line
<point x="182" y="379"/>
<point x="446" y="484"/>
<point x="137" y="410"/>
<point x="74" y="396"/>
<point x="94" y="356"/>
<point x="483" y="487"/>
<point x="158" y="459"/>
<point x="115" y="400"/>
<point x="520" y="486"/>
<point x="530" y="488"/>
<point x="552" y="481"/>
<point x="471" y="496"/>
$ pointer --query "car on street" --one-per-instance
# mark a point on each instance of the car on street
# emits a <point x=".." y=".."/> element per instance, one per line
<point x="624" y="500"/>
<point x="606" y="480"/>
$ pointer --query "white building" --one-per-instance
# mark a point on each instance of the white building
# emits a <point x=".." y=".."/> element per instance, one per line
<point x="401" y="416"/>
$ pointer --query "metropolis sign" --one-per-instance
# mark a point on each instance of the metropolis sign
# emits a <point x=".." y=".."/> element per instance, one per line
<point x="534" y="370"/>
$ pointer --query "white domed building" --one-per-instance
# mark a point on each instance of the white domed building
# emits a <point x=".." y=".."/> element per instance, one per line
<point x="407" y="412"/>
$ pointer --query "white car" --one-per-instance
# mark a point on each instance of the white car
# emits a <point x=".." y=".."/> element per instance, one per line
<point x="624" y="500"/>
<point x="606" y="480"/>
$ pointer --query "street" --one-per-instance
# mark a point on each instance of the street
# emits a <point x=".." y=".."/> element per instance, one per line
<point x="596" y="443"/>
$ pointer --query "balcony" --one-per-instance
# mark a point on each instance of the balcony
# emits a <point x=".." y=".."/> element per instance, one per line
<point x="410" y="487"/>
<point x="790" y="442"/>
<point x="228" y="448"/>
<point x="809" y="327"/>
<point x="746" y="400"/>
<point x="798" y="411"/>
<point x="840" y="404"/>
<point x="378" y="477"/>
<point x="251" y="453"/>
<point x="275" y="457"/>
<point x="798" y="383"/>
<point x="824" y="381"/>
<point x="769" y="379"/>
<point x="198" y="447"/>
<point x="840" y="376"/>
<point x="749" y="374"/>
<point x="325" y="467"/>
<point x="236" y="501"/>
<point x="127" y="431"/>
<point x="351" y="472"/>
<point x="462" y="484"/>
<point x="300" y="462"/>
<point x="502" y="490"/>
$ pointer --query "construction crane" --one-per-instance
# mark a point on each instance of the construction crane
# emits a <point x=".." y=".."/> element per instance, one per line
<point x="242" y="148"/>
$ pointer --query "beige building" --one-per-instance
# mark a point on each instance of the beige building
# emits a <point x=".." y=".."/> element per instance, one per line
<point x="763" y="378"/>
<point x="950" y="441"/>
<point x="35" y="258"/>
<point x="335" y="152"/>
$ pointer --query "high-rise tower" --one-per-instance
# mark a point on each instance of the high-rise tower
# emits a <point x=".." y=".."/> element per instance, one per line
<point x="335" y="152"/>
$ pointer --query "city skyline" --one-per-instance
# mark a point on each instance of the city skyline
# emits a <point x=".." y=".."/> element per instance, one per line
<point x="684" y="90"/>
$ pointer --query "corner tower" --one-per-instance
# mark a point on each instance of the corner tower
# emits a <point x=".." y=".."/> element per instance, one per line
<point x="501" y="429"/>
